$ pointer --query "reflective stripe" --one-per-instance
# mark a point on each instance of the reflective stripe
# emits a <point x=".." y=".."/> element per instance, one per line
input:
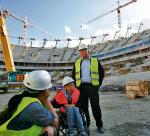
<point x="78" y="79"/>
<point x="95" y="79"/>
<point x="94" y="71"/>
<point x="77" y="72"/>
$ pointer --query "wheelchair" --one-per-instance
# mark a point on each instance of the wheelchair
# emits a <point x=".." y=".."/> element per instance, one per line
<point x="63" y="128"/>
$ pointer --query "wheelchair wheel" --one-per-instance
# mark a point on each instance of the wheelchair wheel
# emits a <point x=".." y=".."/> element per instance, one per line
<point x="85" y="123"/>
<point x="62" y="128"/>
<point x="61" y="132"/>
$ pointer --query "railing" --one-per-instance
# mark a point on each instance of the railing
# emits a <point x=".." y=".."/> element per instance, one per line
<point x="124" y="50"/>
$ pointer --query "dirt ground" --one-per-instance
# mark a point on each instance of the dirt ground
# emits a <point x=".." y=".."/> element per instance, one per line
<point x="121" y="116"/>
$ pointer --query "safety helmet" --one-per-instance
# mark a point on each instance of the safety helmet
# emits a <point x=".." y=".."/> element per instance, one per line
<point x="38" y="80"/>
<point x="82" y="46"/>
<point x="67" y="80"/>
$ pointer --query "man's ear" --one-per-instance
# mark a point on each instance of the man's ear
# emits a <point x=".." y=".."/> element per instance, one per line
<point x="47" y="93"/>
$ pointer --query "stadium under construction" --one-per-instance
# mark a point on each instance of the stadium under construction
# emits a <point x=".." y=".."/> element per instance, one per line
<point x="123" y="59"/>
<point x="126" y="62"/>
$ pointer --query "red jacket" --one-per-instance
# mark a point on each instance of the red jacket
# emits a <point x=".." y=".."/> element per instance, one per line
<point x="61" y="99"/>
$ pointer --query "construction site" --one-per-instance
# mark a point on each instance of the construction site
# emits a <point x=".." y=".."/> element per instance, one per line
<point x="124" y="93"/>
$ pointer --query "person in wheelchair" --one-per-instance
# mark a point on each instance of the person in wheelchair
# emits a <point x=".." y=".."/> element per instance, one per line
<point x="67" y="100"/>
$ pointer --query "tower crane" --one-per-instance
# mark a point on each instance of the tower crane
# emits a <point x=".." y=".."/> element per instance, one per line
<point x="111" y="11"/>
<point x="26" y="23"/>
<point x="4" y="38"/>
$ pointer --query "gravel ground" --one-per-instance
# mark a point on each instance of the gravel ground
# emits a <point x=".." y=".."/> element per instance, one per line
<point x="121" y="116"/>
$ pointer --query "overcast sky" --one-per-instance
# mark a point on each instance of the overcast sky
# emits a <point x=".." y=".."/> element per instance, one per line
<point x="62" y="18"/>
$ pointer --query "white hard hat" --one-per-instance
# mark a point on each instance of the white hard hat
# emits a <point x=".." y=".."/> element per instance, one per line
<point x="38" y="80"/>
<point x="82" y="46"/>
<point x="67" y="80"/>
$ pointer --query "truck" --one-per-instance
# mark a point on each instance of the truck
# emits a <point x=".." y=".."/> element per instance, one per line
<point x="11" y="80"/>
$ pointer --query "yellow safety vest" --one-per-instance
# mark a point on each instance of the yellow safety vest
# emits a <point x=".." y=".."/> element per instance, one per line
<point x="93" y="68"/>
<point x="32" y="131"/>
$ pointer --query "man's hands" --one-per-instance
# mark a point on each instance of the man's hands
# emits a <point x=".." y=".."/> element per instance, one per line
<point x="51" y="109"/>
<point x="69" y="105"/>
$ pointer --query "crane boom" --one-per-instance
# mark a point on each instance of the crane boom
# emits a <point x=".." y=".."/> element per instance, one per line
<point x="6" y="48"/>
<point x="25" y="22"/>
<point x="111" y="11"/>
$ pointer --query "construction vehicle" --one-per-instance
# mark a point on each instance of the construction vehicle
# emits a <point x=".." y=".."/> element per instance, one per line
<point x="4" y="82"/>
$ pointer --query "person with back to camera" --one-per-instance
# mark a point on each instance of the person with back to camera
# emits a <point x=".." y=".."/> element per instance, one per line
<point x="30" y="113"/>
<point x="88" y="74"/>
<point x="66" y="99"/>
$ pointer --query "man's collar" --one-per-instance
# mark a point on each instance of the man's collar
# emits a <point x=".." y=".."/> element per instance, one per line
<point x="88" y="58"/>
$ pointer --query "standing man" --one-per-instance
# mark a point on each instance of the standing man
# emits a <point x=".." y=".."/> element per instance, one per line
<point x="88" y="74"/>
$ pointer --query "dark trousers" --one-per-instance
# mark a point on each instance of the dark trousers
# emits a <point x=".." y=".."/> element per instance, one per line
<point x="90" y="92"/>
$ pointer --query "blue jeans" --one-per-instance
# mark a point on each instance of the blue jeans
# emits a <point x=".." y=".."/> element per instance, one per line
<point x="74" y="118"/>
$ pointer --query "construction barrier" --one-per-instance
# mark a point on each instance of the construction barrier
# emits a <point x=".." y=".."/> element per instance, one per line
<point x="15" y="85"/>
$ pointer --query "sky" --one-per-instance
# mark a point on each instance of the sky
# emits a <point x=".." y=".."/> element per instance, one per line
<point x="62" y="19"/>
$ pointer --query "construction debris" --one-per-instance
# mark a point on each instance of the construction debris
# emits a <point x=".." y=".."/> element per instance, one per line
<point x="136" y="88"/>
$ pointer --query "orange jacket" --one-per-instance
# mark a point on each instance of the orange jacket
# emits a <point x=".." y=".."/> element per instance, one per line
<point x="61" y="99"/>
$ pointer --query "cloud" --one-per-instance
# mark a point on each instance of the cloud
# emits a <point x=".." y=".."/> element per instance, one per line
<point x="67" y="29"/>
<point x="98" y="32"/>
<point x="73" y="43"/>
<point x="86" y="41"/>
<point x="50" y="44"/>
<point x="131" y="15"/>
<point x="136" y="13"/>
<point x="39" y="43"/>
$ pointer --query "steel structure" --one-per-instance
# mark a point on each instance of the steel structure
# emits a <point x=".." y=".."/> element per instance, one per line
<point x="111" y="11"/>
